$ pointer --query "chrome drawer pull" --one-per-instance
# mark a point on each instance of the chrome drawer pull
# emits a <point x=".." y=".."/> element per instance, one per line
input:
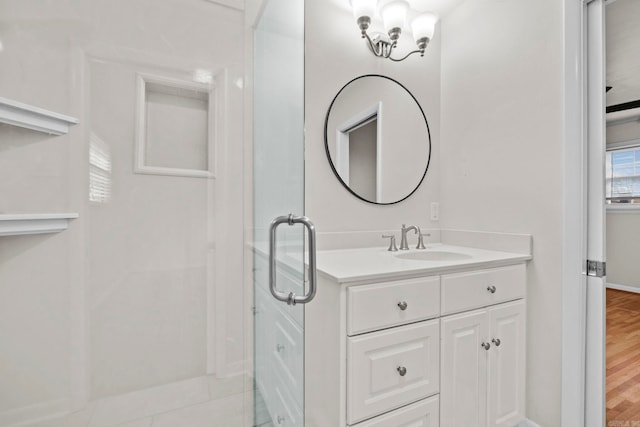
<point x="279" y="348"/>
<point x="491" y="289"/>
<point x="485" y="345"/>
<point x="402" y="305"/>
<point x="402" y="371"/>
<point x="496" y="341"/>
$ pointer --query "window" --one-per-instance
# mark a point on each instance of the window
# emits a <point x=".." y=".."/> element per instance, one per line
<point x="623" y="175"/>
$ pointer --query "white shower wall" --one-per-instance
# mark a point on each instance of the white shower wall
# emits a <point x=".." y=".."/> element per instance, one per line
<point x="128" y="297"/>
<point x="147" y="264"/>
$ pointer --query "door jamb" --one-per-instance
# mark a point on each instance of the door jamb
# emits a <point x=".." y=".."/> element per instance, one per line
<point x="574" y="216"/>
<point x="574" y="313"/>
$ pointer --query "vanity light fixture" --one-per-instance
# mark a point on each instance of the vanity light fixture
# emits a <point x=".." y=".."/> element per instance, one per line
<point x="394" y="16"/>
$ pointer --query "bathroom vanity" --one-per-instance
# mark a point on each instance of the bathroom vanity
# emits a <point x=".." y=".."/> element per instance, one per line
<point x="426" y="338"/>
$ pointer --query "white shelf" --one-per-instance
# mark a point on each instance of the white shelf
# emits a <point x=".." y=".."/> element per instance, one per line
<point x="14" y="225"/>
<point x="34" y="118"/>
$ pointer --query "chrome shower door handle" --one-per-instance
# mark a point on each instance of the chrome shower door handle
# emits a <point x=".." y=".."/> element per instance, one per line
<point x="291" y="298"/>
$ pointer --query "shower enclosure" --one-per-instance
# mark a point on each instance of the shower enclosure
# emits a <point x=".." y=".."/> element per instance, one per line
<point x="129" y="242"/>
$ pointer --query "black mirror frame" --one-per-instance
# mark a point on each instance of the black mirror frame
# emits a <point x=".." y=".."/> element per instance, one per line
<point x="326" y="140"/>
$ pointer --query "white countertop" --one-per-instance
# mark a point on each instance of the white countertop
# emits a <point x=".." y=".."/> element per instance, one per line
<point x="375" y="264"/>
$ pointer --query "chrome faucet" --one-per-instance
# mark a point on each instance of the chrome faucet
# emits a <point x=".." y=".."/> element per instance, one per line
<point x="403" y="232"/>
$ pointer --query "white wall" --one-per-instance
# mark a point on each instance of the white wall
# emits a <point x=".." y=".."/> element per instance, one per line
<point x="623" y="247"/>
<point x="623" y="227"/>
<point x="336" y="54"/>
<point x="501" y="156"/>
<point x="623" y="132"/>
<point x="119" y="301"/>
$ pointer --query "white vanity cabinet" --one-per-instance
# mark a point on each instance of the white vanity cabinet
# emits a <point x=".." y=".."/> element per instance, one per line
<point x="397" y="351"/>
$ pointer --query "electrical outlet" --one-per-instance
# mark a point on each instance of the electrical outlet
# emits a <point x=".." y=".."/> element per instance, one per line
<point x="435" y="211"/>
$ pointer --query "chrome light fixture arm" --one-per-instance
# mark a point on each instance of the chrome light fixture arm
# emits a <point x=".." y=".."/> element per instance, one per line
<point x="383" y="48"/>
<point x="393" y="13"/>
<point x="421" y="51"/>
<point x="380" y="48"/>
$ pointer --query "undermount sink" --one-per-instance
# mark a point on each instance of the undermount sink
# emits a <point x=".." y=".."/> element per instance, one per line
<point x="434" y="256"/>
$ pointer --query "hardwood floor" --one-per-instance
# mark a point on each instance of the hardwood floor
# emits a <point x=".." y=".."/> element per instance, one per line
<point x="623" y="359"/>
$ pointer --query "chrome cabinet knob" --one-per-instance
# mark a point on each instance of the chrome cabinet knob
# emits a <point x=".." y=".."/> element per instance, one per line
<point x="496" y="341"/>
<point x="402" y="371"/>
<point x="485" y="345"/>
<point x="402" y="305"/>
<point x="491" y="289"/>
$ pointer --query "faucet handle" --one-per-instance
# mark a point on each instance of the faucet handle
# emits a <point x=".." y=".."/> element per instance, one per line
<point x="392" y="242"/>
<point x="421" y="240"/>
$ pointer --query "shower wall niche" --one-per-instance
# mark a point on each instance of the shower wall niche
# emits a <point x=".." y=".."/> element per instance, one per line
<point x="176" y="124"/>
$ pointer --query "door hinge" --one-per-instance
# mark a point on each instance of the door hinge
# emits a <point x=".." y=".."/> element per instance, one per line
<point x="596" y="268"/>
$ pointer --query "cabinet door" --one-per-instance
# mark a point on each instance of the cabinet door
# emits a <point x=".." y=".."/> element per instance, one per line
<point x="506" y="389"/>
<point x="463" y="382"/>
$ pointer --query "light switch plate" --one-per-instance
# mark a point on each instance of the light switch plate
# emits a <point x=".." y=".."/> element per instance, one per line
<point x="435" y="211"/>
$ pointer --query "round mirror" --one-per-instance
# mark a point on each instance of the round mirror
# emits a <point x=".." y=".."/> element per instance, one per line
<point x="377" y="139"/>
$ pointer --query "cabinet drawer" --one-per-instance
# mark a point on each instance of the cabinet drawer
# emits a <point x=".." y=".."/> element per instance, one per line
<point x="466" y="291"/>
<point x="378" y="306"/>
<point x="420" y="414"/>
<point x="392" y="368"/>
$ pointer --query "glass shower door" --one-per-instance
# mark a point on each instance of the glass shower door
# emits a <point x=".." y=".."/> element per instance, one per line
<point x="279" y="232"/>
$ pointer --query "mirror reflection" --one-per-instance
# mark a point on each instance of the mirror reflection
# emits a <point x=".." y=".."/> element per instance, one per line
<point x="377" y="139"/>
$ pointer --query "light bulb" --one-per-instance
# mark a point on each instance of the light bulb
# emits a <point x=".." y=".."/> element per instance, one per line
<point x="394" y="15"/>
<point x="363" y="8"/>
<point x="423" y="26"/>
<point x="363" y="11"/>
